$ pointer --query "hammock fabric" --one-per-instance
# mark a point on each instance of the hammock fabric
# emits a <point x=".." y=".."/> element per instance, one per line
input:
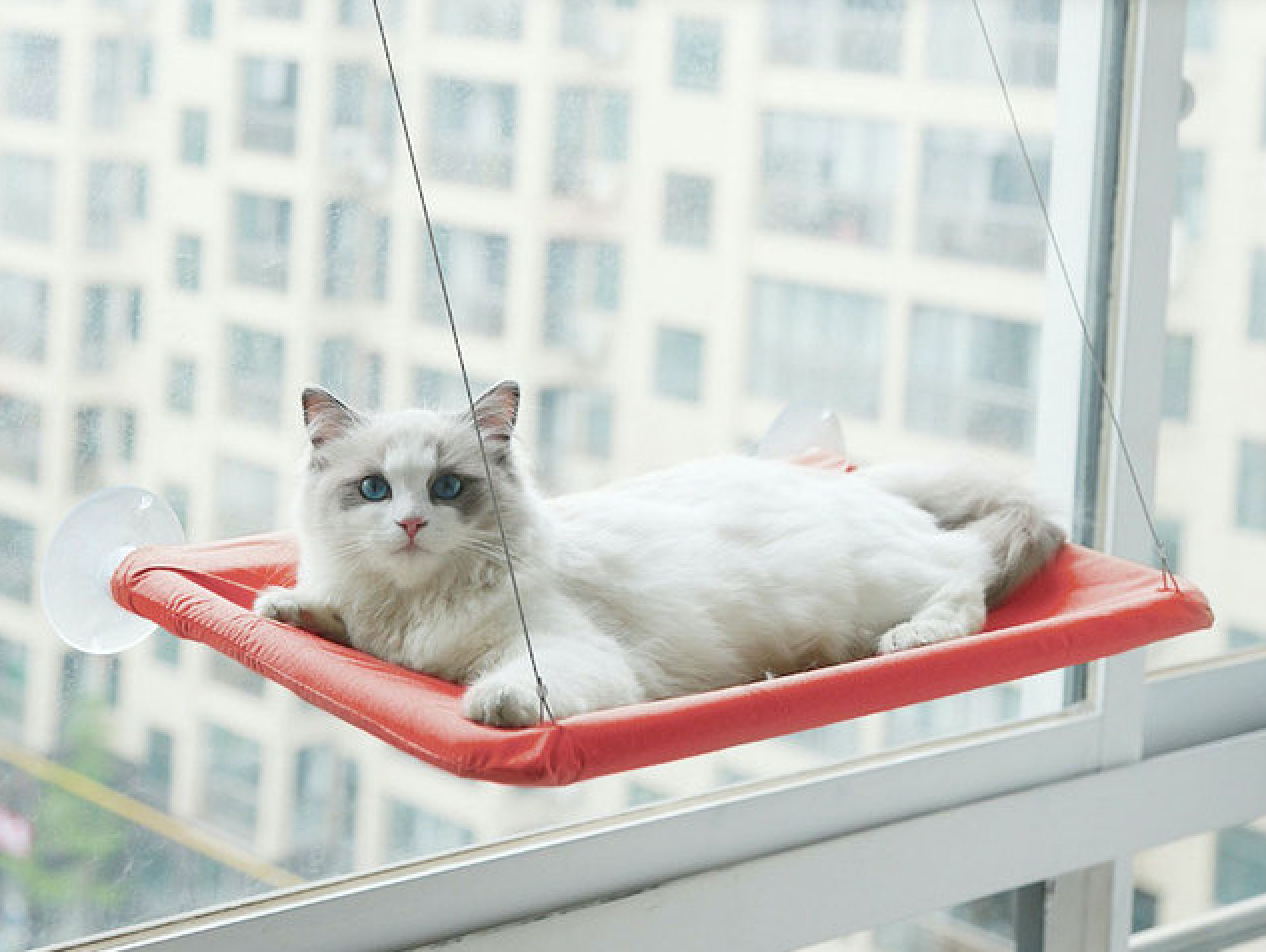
<point x="1082" y="606"/>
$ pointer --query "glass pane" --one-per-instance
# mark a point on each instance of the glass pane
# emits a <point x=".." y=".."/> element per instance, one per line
<point x="1211" y="471"/>
<point x="683" y="223"/>
<point x="1191" y="877"/>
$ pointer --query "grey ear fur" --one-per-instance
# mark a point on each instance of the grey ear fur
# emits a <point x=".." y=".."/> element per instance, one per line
<point x="497" y="410"/>
<point x="326" y="416"/>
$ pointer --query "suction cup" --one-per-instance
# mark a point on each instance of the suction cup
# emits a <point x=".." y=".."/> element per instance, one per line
<point x="86" y="549"/>
<point x="802" y="428"/>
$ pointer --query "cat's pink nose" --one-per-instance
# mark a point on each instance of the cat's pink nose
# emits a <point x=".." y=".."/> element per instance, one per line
<point x="411" y="526"/>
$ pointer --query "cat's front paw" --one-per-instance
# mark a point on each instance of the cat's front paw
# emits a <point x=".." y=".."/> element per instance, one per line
<point x="500" y="701"/>
<point x="280" y="604"/>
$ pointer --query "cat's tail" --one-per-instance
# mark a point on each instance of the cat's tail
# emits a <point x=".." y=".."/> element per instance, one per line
<point x="1008" y="517"/>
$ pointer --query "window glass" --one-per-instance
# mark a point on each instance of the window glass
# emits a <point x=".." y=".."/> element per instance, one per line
<point x="1210" y="496"/>
<point x="667" y="225"/>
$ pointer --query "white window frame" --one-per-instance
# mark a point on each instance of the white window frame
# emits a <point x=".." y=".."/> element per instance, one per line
<point x="1066" y="799"/>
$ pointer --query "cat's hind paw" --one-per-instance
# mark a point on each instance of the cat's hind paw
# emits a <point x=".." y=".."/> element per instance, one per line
<point x="502" y="702"/>
<point x="279" y="604"/>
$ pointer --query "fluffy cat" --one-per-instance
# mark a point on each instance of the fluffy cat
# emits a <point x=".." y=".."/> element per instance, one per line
<point x="699" y="576"/>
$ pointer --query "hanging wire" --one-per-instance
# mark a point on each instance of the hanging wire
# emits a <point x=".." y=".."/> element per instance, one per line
<point x="1167" y="575"/>
<point x="541" y="691"/>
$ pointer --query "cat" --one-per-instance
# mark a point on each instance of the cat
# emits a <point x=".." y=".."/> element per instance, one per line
<point x="707" y="574"/>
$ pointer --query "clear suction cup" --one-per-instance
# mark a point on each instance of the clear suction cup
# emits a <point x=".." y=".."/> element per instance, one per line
<point x="86" y="549"/>
<point x="802" y="428"/>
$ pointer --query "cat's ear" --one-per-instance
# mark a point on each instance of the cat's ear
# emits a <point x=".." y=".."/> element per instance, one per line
<point x="498" y="410"/>
<point x="326" y="416"/>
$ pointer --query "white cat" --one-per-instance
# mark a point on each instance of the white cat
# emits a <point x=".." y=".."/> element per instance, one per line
<point x="703" y="575"/>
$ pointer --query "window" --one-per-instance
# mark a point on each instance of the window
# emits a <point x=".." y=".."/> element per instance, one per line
<point x="1176" y="383"/>
<point x="31" y="74"/>
<point x="177" y="496"/>
<point x="363" y="123"/>
<point x="326" y="797"/>
<point x="23" y="316"/>
<point x="17" y="558"/>
<point x="1244" y="639"/>
<point x="472" y="131"/>
<point x="476" y="272"/>
<point x="26" y="197"/>
<point x="576" y="424"/>
<point x="1189" y="201"/>
<point x="827" y="176"/>
<point x="412" y="832"/>
<point x="1257" y="296"/>
<point x="1024" y="33"/>
<point x="231" y="781"/>
<point x="487" y="19"/>
<point x="678" y="363"/>
<point x="697" y="54"/>
<point x="112" y="318"/>
<point x="582" y="294"/>
<point x="862" y="35"/>
<point x="1170" y="531"/>
<point x="591" y="142"/>
<point x="245" y="498"/>
<point x="357" y="250"/>
<point x="1240" y="870"/>
<point x="118" y="196"/>
<point x="228" y="672"/>
<point x="166" y="645"/>
<point x="273" y="9"/>
<point x="254" y="371"/>
<point x="354" y="375"/>
<point x="972" y="377"/>
<point x="261" y="250"/>
<point x="89" y="448"/>
<point x="12" y="686"/>
<point x="1250" y="507"/>
<point x="156" y="768"/>
<point x="268" y="104"/>
<point x="976" y="199"/>
<point x="19" y="438"/>
<point x="815" y="343"/>
<point x="442" y="389"/>
<point x="194" y="129"/>
<point x="200" y="19"/>
<point x="187" y="256"/>
<point x="182" y="385"/>
<point x="687" y="210"/>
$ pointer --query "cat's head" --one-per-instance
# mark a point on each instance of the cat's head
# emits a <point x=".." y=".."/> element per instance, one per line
<point x="405" y="495"/>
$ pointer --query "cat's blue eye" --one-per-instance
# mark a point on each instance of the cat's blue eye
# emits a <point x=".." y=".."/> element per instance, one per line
<point x="375" y="488"/>
<point x="447" y="486"/>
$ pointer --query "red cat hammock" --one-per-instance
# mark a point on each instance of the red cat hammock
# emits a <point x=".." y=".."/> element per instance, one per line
<point x="1084" y="605"/>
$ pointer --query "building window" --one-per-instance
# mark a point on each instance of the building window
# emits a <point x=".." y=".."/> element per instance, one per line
<point x="1250" y="506"/>
<point x="31" y="68"/>
<point x="245" y="498"/>
<point x="1257" y="296"/>
<point x="591" y="142"/>
<point x="862" y="35"/>
<point x="166" y="645"/>
<point x="1202" y="26"/>
<point x="582" y="295"/>
<point x="26" y="197"/>
<point x="273" y="9"/>
<point x="828" y="176"/>
<point x="230" y="794"/>
<point x="476" y="272"/>
<point x="89" y="450"/>
<point x="697" y="54"/>
<point x="17" y="558"/>
<point x="254" y="373"/>
<point x="1176" y="382"/>
<point x="177" y="496"/>
<point x="360" y="15"/>
<point x="575" y="424"/>
<point x="12" y="684"/>
<point x="200" y="19"/>
<point x="357" y="251"/>
<point x="1170" y="532"/>
<point x="1189" y="201"/>
<point x="1239" y="865"/>
<point x="323" y="821"/>
<point x="472" y="126"/>
<point x="1145" y="910"/>
<point x="23" y="316"/>
<point x="118" y="195"/>
<point x="1244" y="639"/>
<point x="486" y="19"/>
<point x="363" y="123"/>
<point x="444" y="390"/>
<point x="976" y="198"/>
<point x="182" y="385"/>
<point x="972" y="377"/>
<point x="19" y="438"/>
<point x="228" y="672"/>
<point x="269" y="104"/>
<point x="156" y="768"/>
<point x="187" y="260"/>
<point x="818" y="344"/>
<point x="194" y="130"/>
<point x="1024" y="34"/>
<point x="352" y="374"/>
<point x="678" y="363"/>
<point x="412" y="831"/>
<point x="687" y="210"/>
<point x="261" y="246"/>
<point x="112" y="315"/>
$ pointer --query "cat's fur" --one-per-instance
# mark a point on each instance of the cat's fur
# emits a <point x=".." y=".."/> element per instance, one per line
<point x="708" y="574"/>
